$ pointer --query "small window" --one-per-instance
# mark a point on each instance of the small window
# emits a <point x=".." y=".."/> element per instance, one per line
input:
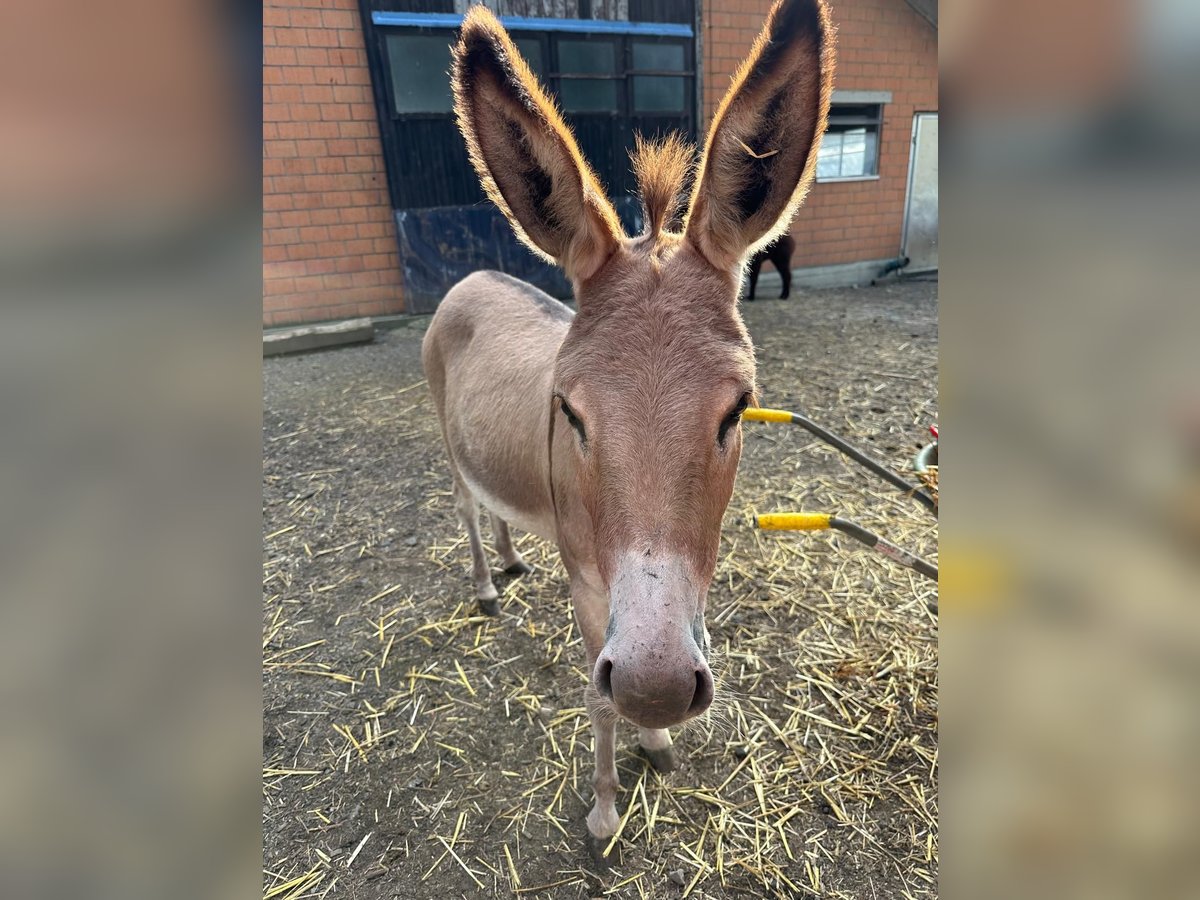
<point x="658" y="57"/>
<point x="588" y="95"/>
<point x="531" y="49"/>
<point x="587" y="57"/>
<point x="658" y="94"/>
<point x="587" y="71"/>
<point x="419" y="63"/>
<point x="850" y="147"/>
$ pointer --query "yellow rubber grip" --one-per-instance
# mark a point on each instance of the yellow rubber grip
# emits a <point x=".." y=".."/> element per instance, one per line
<point x="762" y="414"/>
<point x="793" y="521"/>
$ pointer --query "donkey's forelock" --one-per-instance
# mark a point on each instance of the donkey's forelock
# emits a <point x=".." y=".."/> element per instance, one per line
<point x="661" y="168"/>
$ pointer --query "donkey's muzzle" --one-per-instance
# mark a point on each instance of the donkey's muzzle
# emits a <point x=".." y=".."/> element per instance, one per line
<point x="653" y="685"/>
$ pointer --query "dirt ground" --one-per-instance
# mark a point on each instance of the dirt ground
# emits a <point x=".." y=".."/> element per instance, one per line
<point x="414" y="749"/>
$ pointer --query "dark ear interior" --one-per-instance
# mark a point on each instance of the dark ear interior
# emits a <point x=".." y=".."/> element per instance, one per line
<point x="525" y="155"/>
<point x="762" y="148"/>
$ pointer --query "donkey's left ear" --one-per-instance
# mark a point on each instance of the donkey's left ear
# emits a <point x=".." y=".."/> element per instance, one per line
<point x="525" y="154"/>
<point x="761" y="151"/>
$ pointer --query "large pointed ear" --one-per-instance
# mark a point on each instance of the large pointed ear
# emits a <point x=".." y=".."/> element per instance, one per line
<point x="761" y="150"/>
<point x="524" y="153"/>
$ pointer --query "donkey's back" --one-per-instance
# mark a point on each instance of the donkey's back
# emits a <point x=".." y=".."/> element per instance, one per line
<point x="489" y="358"/>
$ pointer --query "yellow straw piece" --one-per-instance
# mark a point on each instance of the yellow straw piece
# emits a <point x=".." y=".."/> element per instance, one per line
<point x="793" y="521"/>
<point x="762" y="414"/>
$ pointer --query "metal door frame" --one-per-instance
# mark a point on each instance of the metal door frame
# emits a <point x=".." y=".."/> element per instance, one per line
<point x="912" y="167"/>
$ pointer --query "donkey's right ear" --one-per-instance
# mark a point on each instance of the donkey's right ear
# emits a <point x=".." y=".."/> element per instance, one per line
<point x="525" y="154"/>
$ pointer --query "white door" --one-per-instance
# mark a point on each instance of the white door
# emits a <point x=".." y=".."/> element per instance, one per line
<point x="920" y="241"/>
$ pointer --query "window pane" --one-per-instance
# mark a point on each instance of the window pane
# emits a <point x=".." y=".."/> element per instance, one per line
<point x="852" y="163"/>
<point x="658" y="57"/>
<point x="829" y="157"/>
<point x="658" y="93"/>
<point x="587" y="57"/>
<point x="419" y="64"/>
<point x="872" y="150"/>
<point x="588" y="95"/>
<point x="854" y="140"/>
<point x="531" y="49"/>
<point x="849" y="152"/>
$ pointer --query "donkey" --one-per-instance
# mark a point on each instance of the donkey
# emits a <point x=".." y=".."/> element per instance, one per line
<point x="615" y="432"/>
<point x="779" y="254"/>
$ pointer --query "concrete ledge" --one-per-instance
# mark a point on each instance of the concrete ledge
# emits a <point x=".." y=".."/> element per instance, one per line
<point x="315" y="337"/>
<point x="846" y="275"/>
<point x="862" y="96"/>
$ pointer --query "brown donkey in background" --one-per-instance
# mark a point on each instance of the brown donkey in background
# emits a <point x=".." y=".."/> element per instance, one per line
<point x="779" y="254"/>
<point x="615" y="432"/>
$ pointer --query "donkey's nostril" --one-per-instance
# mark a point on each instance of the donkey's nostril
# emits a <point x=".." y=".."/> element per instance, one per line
<point x="704" y="692"/>
<point x="603" y="678"/>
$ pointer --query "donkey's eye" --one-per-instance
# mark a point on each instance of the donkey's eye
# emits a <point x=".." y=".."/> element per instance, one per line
<point x="732" y="418"/>
<point x="573" y="420"/>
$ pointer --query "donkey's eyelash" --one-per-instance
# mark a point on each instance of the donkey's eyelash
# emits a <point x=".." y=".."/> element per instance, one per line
<point x="572" y="419"/>
<point x="731" y="420"/>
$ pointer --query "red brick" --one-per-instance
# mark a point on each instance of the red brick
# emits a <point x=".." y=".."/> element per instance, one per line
<point x="332" y="75"/>
<point x="324" y="129"/>
<point x="297" y="218"/>
<point x="301" y="18"/>
<point x="315" y="93"/>
<point x="312" y="56"/>
<point x="320" y="266"/>
<point x="291" y="37"/>
<point x="350" y="263"/>
<point x="339" y="19"/>
<point x="321" y="37"/>
<point x="303" y="251"/>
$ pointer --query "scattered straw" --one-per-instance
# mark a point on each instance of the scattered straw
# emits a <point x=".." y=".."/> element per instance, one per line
<point x="446" y="753"/>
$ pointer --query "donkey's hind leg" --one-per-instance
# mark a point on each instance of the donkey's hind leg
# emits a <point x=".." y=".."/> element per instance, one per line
<point x="468" y="512"/>
<point x="513" y="563"/>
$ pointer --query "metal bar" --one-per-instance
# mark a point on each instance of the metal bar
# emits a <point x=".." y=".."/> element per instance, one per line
<point x="523" y="23"/>
<point x="760" y="414"/>
<point x="824" y="521"/>
<point x="885" y="547"/>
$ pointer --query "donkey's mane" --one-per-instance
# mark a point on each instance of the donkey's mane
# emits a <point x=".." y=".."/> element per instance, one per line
<point x="661" y="167"/>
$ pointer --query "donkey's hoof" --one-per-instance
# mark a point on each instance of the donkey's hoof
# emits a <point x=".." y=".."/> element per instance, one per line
<point x="662" y="760"/>
<point x="489" y="606"/>
<point x="596" y="847"/>
<point x="519" y="568"/>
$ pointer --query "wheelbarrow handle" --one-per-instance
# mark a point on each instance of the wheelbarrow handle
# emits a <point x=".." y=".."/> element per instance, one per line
<point x="793" y="521"/>
<point x="823" y="521"/>
<point x="763" y="414"/>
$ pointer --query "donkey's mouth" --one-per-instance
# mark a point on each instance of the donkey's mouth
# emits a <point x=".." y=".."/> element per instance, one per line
<point x="656" y="699"/>
<point x="654" y="715"/>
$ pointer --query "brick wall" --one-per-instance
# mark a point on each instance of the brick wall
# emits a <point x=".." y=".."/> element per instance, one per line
<point x="329" y="241"/>
<point x="882" y="46"/>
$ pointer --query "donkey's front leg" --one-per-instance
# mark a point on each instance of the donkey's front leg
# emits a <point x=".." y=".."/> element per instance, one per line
<point x="603" y="820"/>
<point x="656" y="745"/>
<point x="591" y="613"/>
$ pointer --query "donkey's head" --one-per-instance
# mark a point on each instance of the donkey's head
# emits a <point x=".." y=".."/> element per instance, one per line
<point x="657" y="367"/>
